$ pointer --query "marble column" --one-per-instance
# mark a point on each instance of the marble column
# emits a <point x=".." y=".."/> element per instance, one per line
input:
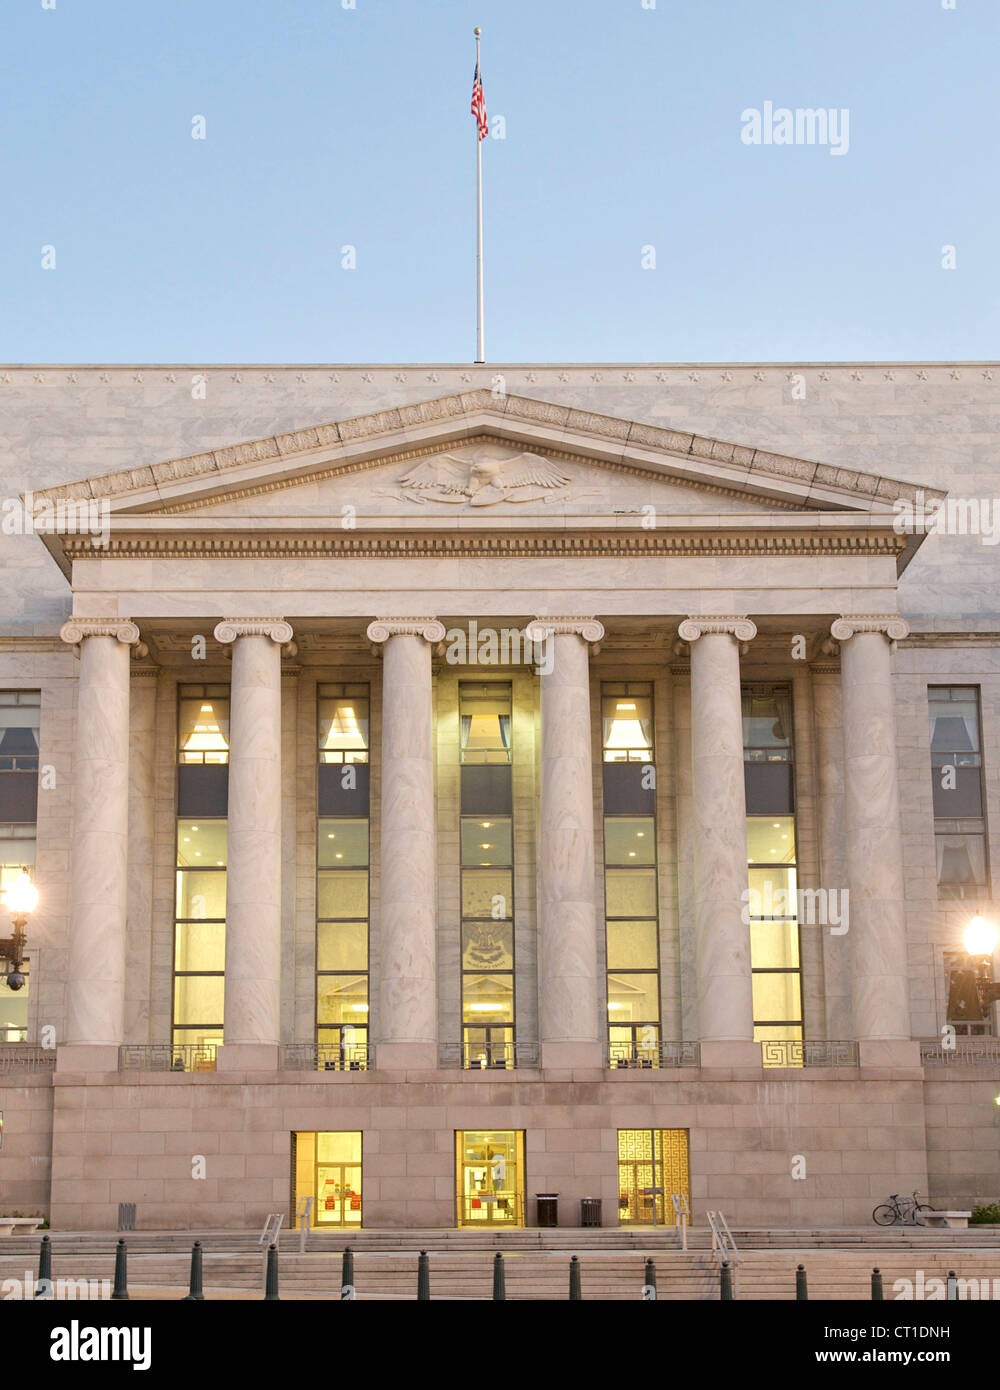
<point x="874" y="838"/>
<point x="253" y="880"/>
<point x="572" y="1012"/>
<point x="141" y="842"/>
<point x="725" y="1001"/>
<point x="407" y="910"/>
<point x="96" y="987"/>
<point x="829" y="734"/>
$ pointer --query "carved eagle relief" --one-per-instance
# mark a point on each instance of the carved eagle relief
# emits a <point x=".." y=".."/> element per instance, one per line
<point x="482" y="480"/>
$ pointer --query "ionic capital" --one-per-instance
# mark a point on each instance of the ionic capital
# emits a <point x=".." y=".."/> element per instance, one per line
<point x="729" y="624"/>
<point x="889" y="625"/>
<point x="428" y="628"/>
<point x="76" y="629"/>
<point x="229" y="629"/>
<point x="586" y="627"/>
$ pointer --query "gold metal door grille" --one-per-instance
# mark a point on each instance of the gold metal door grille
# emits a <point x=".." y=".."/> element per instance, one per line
<point x="650" y="1159"/>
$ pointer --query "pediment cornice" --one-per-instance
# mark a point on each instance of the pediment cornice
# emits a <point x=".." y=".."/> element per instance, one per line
<point x="359" y="442"/>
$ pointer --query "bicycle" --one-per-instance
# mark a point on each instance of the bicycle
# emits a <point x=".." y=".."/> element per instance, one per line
<point x="902" y="1213"/>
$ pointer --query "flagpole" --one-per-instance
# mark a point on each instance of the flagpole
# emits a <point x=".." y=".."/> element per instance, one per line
<point x="480" y="333"/>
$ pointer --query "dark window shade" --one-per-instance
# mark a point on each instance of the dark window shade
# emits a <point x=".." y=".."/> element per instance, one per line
<point x="965" y="798"/>
<point x="336" y="799"/>
<point x="769" y="789"/>
<point x="203" y="789"/>
<point x="19" y="796"/>
<point x="487" y="791"/>
<point x="624" y="793"/>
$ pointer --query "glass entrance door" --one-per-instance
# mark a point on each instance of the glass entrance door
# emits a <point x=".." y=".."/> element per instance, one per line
<point x="489" y="1168"/>
<point x="652" y="1164"/>
<point x="327" y="1168"/>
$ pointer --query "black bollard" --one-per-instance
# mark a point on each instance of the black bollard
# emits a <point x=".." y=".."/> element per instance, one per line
<point x="43" y="1289"/>
<point x="877" y="1295"/>
<point x="271" y="1282"/>
<point x="120" y="1290"/>
<point x="194" y="1293"/>
<point x="726" y="1294"/>
<point x="649" y="1282"/>
<point x="423" y="1278"/>
<point x="347" y="1276"/>
<point x="801" y="1287"/>
<point x="574" y="1280"/>
<point x="499" y="1283"/>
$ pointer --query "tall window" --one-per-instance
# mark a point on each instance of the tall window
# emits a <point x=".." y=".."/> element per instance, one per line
<point x="957" y="771"/>
<point x="200" y="910"/>
<point x="771" y="863"/>
<point x="20" y="712"/>
<point x="487" y="868"/>
<point x="342" y="884"/>
<point x="630" y="890"/>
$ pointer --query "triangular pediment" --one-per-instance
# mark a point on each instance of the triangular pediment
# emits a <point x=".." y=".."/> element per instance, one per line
<point x="473" y="458"/>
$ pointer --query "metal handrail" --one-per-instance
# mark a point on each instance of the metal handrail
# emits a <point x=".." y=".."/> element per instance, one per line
<point x="498" y="1056"/>
<point x="326" y="1057"/>
<point x="178" y="1057"/>
<point x="682" y="1213"/>
<point x="966" y="1052"/>
<point x="723" y="1244"/>
<point x="646" y="1056"/>
<point x="25" y="1057"/>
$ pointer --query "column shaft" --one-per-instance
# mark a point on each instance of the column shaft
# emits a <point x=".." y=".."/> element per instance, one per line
<point x="407" y="909"/>
<point x="253" y="879"/>
<point x="571" y="1000"/>
<point x="874" y="838"/>
<point x="725" y="1002"/>
<point x="96" y="987"/>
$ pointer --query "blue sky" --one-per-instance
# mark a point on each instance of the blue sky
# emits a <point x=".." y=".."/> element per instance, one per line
<point x="327" y="127"/>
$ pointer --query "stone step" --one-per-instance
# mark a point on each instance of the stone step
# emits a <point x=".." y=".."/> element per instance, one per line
<point x="529" y="1276"/>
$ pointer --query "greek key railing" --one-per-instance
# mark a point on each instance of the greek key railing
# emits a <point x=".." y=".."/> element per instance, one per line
<point x="25" y="1057"/>
<point x="498" y="1056"/>
<point x="965" y="1052"/>
<point x="809" y="1052"/>
<point x="167" y="1057"/>
<point x="651" y="1056"/>
<point x="326" y="1057"/>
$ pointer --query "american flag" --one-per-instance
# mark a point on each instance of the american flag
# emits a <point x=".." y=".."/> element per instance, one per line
<point x="478" y="107"/>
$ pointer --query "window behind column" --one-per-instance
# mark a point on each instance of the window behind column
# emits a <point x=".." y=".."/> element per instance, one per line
<point x="200" y="909"/>
<point x="342" y="877"/>
<point x="20" y="712"/>
<point x="775" y="960"/>
<point x="630" y="887"/>
<point x="957" y="772"/>
<point x="487" y="868"/>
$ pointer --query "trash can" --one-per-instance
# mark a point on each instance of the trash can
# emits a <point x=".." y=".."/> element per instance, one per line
<point x="590" y="1211"/>
<point x="548" y="1208"/>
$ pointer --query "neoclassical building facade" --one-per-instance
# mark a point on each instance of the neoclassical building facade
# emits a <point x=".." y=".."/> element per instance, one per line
<point x="509" y="788"/>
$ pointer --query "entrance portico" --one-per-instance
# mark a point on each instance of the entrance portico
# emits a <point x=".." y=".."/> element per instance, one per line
<point x="338" y="559"/>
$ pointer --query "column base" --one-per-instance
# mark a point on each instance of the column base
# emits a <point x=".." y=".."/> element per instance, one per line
<point x="87" y="1057"/>
<point x="406" y="1056"/>
<point x="247" y="1057"/>
<point x="889" y="1052"/>
<point x="573" y="1056"/>
<point x="732" y="1052"/>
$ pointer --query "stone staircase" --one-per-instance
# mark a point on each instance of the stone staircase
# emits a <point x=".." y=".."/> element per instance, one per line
<point x="838" y="1263"/>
